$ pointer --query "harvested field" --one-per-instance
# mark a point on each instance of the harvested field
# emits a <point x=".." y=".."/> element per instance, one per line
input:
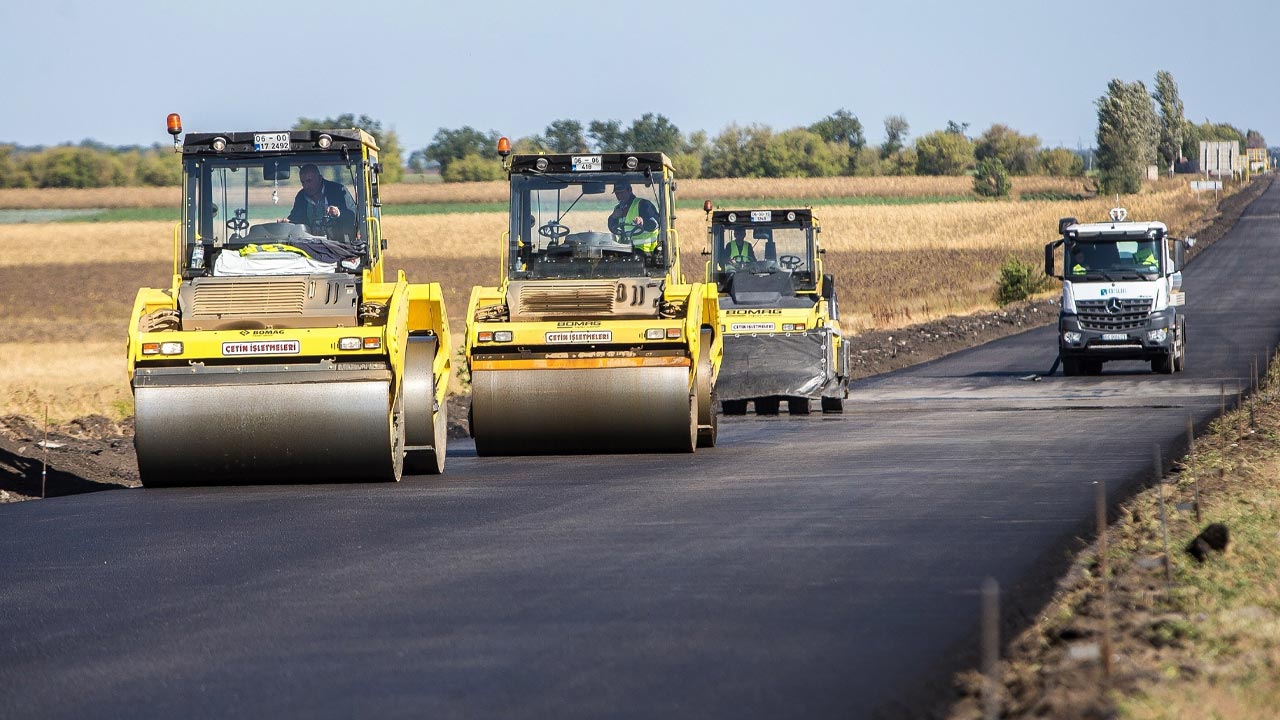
<point x="715" y="189"/>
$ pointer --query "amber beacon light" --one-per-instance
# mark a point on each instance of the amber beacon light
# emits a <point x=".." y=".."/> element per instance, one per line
<point x="174" y="123"/>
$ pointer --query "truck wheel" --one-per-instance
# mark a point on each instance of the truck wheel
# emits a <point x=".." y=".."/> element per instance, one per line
<point x="733" y="407"/>
<point x="832" y="405"/>
<point x="1091" y="367"/>
<point x="1070" y="367"/>
<point x="1163" y="364"/>
<point x="1180" y="359"/>
<point x="798" y="406"/>
<point x="767" y="406"/>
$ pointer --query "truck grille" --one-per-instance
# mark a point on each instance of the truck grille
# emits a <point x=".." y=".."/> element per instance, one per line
<point x="1113" y="314"/>
<point x="251" y="296"/>
<point x="567" y="298"/>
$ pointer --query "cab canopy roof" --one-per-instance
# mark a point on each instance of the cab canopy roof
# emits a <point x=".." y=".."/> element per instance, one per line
<point x="587" y="162"/>
<point x="762" y="216"/>
<point x="1109" y="230"/>
<point x="202" y="143"/>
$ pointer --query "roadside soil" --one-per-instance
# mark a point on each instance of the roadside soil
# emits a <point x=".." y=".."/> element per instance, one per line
<point x="95" y="453"/>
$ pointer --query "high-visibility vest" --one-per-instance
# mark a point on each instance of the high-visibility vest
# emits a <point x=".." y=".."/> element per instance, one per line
<point x="645" y="241"/>
<point x="1145" y="257"/>
<point x="740" y="251"/>
<point x="252" y="249"/>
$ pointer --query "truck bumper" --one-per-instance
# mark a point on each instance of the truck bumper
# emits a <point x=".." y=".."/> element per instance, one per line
<point x="1154" y="339"/>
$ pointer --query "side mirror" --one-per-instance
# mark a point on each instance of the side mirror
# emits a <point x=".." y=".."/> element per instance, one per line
<point x="828" y="286"/>
<point x="1066" y="222"/>
<point x="1179" y="256"/>
<point x="1048" y="258"/>
<point x="593" y="188"/>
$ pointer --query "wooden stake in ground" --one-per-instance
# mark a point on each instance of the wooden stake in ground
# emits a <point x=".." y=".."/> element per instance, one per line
<point x="1100" y="509"/>
<point x="44" y="464"/>
<point x="990" y="649"/>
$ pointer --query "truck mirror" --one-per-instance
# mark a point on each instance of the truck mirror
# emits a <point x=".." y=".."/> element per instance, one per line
<point x="828" y="286"/>
<point x="1064" y="223"/>
<point x="1179" y="256"/>
<point x="1048" y="259"/>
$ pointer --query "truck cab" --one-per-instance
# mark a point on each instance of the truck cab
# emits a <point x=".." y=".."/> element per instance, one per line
<point x="1122" y="295"/>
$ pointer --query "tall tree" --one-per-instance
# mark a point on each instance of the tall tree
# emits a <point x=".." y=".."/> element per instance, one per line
<point x="943" y="153"/>
<point x="957" y="128"/>
<point x="841" y="127"/>
<point x="1254" y="139"/>
<point x="1016" y="152"/>
<point x="607" y="136"/>
<point x="448" y="145"/>
<point x="1173" y="124"/>
<point x="389" y="154"/>
<point x="896" y="130"/>
<point x="565" y="136"/>
<point x="1127" y="134"/>
<point x="654" y="133"/>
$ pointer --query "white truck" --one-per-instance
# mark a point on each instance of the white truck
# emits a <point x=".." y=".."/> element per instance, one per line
<point x="1122" y="294"/>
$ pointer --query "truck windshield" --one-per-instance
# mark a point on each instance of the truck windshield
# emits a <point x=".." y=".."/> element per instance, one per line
<point x="608" y="225"/>
<point x="237" y="200"/>
<point x="1113" y="259"/>
<point x="765" y="248"/>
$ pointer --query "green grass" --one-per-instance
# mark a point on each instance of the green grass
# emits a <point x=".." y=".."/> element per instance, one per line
<point x="130" y="215"/>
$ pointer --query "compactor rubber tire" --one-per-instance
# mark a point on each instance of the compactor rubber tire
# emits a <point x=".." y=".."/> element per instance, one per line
<point x="733" y="407"/>
<point x="832" y="405"/>
<point x="767" y="406"/>
<point x="431" y="462"/>
<point x="798" y="406"/>
<point x="708" y="424"/>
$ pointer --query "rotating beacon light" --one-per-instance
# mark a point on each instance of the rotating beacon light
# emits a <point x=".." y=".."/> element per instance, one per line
<point x="174" y="123"/>
<point x="504" y="151"/>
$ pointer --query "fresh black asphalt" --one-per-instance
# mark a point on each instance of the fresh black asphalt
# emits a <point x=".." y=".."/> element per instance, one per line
<point x="805" y="567"/>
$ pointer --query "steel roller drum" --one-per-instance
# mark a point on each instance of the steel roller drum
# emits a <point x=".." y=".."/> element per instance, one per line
<point x="266" y="430"/>
<point x="596" y="410"/>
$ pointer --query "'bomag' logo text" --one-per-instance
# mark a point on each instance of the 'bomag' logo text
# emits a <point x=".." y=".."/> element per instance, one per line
<point x="579" y="323"/>
<point x="261" y="332"/>
<point x="752" y="312"/>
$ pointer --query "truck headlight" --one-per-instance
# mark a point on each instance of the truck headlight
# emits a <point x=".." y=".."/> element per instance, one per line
<point x="1157" y="336"/>
<point x="1072" y="337"/>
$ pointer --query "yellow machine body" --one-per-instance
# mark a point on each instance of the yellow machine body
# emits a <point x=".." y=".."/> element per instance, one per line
<point x="592" y="341"/>
<point x="280" y="352"/>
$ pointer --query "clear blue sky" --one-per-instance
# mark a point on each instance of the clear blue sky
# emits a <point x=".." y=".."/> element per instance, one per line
<point x="111" y="71"/>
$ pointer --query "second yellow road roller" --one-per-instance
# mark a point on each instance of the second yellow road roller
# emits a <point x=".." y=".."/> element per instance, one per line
<point x="592" y="341"/>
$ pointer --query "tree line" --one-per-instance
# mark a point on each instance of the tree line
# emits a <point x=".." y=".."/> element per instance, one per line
<point x="1137" y="129"/>
<point x="93" y="164"/>
<point x="834" y="145"/>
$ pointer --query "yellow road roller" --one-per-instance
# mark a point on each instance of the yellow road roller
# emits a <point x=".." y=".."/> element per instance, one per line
<point x="592" y="341"/>
<point x="778" y="312"/>
<point x="279" y="352"/>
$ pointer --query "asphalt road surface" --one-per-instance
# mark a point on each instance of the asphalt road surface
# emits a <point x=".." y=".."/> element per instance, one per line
<point x="806" y="567"/>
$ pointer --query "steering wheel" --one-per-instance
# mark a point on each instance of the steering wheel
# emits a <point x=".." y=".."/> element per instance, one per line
<point x="553" y="230"/>
<point x="791" y="262"/>
<point x="238" y="224"/>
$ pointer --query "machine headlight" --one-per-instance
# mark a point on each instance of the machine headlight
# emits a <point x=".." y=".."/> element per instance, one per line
<point x="502" y="336"/>
<point x="162" y="348"/>
<point x="350" y="343"/>
<point x="1072" y="337"/>
<point x="792" y="327"/>
<point x="324" y="141"/>
<point x="654" y="334"/>
<point x="1157" y="336"/>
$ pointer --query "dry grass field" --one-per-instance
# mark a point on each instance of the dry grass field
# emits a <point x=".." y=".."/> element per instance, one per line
<point x="489" y="192"/>
<point x="66" y="288"/>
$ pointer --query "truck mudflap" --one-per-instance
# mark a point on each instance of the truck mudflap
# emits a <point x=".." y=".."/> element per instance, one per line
<point x="791" y="365"/>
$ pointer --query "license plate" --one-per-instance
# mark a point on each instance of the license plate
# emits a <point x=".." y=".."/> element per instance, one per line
<point x="1115" y="336"/>
<point x="761" y="215"/>
<point x="270" y="142"/>
<point x="587" y="163"/>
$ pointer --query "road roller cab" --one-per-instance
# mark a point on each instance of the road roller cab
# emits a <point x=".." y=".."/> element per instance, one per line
<point x="591" y="341"/>
<point x="279" y="351"/>
<point x="778" y="312"/>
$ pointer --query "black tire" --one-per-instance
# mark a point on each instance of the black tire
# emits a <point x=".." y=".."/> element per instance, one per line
<point x="1180" y="359"/>
<point x="1163" y="365"/>
<point x="767" y="406"/>
<point x="832" y="405"/>
<point x="733" y="407"/>
<point x="798" y="406"/>
<point x="1070" y="367"/>
<point x="1091" y="367"/>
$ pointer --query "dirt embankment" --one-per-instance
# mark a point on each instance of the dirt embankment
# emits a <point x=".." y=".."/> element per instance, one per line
<point x="94" y="453"/>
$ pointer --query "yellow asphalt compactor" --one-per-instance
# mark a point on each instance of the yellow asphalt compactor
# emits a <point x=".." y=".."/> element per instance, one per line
<point x="593" y="342"/>
<point x="778" y="311"/>
<point x="279" y="353"/>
